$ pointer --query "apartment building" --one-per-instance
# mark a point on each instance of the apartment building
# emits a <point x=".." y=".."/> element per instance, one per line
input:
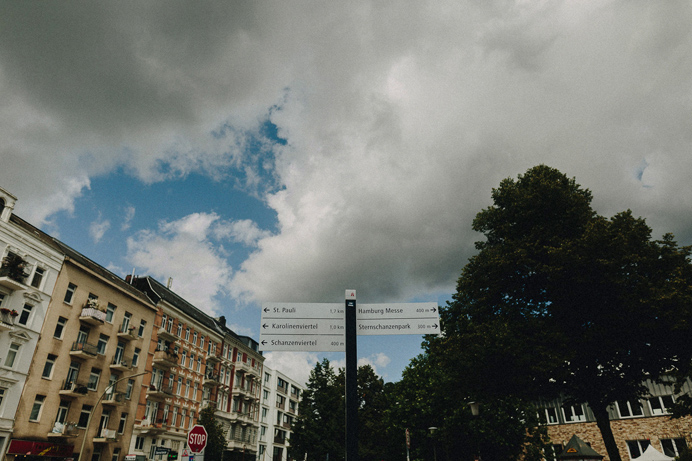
<point x="184" y="351"/>
<point x="82" y="391"/>
<point x="280" y="398"/>
<point x="238" y="399"/>
<point x="636" y="424"/>
<point x="28" y="272"/>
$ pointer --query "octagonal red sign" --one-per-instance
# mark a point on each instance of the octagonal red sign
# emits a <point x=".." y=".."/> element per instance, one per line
<point x="197" y="439"/>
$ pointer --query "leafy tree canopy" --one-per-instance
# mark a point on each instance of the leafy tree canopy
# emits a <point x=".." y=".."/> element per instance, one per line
<point x="562" y="301"/>
<point x="216" y="441"/>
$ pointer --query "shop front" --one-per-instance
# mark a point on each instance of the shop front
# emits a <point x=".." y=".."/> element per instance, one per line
<point x="29" y="450"/>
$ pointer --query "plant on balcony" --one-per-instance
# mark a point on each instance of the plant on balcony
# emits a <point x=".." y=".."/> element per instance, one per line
<point x="4" y="310"/>
<point x="14" y="267"/>
<point x="14" y="313"/>
<point x="93" y="304"/>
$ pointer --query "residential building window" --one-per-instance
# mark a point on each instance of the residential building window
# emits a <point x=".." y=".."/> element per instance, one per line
<point x="126" y="322"/>
<point x="37" y="407"/>
<point x="201" y="342"/>
<point x="267" y="377"/>
<point x="24" y="315"/>
<point x="12" y="355"/>
<point x="59" y="327"/>
<point x="174" y="421"/>
<point x="103" y="342"/>
<point x="69" y="293"/>
<point x="187" y="388"/>
<point x="110" y="312"/>
<point x="183" y="413"/>
<point x="2" y="298"/>
<point x="165" y="414"/>
<point x="164" y="317"/>
<point x="187" y="334"/>
<point x="265" y="395"/>
<point x="194" y="338"/>
<point x="116" y="454"/>
<point x="63" y="409"/>
<point x="550" y="415"/>
<point x="574" y="413"/>
<point x="135" y="356"/>
<point x="139" y="443"/>
<point x="39" y="272"/>
<point x="191" y="361"/>
<point x="629" y="408"/>
<point x="83" y="335"/>
<point x="637" y="447"/>
<point x="192" y="419"/>
<point x="129" y="388"/>
<point x="72" y="372"/>
<point x="48" y="367"/>
<point x="199" y="364"/>
<point x="661" y="405"/>
<point x="122" y="423"/>
<point x="94" y="376"/>
<point x="184" y="356"/>
<point x="194" y="391"/>
<point x="142" y="325"/>
<point x="3" y="390"/>
<point x="673" y="447"/>
<point x="179" y="331"/>
<point x="180" y="385"/>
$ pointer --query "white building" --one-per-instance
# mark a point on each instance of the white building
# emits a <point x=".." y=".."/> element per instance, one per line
<point x="279" y="408"/>
<point x="30" y="266"/>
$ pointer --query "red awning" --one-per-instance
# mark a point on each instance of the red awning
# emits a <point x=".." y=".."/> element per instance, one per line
<point x="28" y="447"/>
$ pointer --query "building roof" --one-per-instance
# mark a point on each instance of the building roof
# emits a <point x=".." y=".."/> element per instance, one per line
<point x="576" y="448"/>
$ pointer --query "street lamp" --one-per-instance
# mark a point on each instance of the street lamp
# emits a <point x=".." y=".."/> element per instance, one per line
<point x="432" y="433"/>
<point x="110" y="387"/>
<point x="475" y="411"/>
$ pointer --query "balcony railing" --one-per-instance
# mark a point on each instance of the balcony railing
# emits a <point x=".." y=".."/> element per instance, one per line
<point x="106" y="435"/>
<point x="68" y="429"/>
<point x="114" y="398"/>
<point x="73" y="389"/>
<point x="81" y="349"/>
<point x="211" y="379"/>
<point x="92" y="316"/>
<point x="165" y="358"/>
<point x="13" y="272"/>
<point x="121" y="364"/>
<point x="127" y="332"/>
<point x="167" y="334"/>
<point x="6" y="320"/>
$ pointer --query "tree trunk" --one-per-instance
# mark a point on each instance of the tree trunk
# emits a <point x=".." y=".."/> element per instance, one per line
<point x="600" y="411"/>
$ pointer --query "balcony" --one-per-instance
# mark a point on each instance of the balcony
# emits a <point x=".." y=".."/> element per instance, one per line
<point x="212" y="359"/>
<point x="165" y="359"/>
<point x="244" y="391"/>
<point x="242" y="367"/>
<point x="7" y="319"/>
<point x="211" y="379"/>
<point x="127" y="333"/>
<point x="114" y="398"/>
<point x="73" y="389"/>
<point x="84" y="350"/>
<point x="121" y="364"/>
<point x="166" y="334"/>
<point x="149" y="428"/>
<point x="208" y="403"/>
<point x="63" y="430"/>
<point x="92" y="316"/>
<point x="106" y="436"/>
<point x="12" y="272"/>
<point x="159" y="392"/>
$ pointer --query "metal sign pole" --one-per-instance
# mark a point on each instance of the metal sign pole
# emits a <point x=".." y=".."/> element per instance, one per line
<point x="351" y="378"/>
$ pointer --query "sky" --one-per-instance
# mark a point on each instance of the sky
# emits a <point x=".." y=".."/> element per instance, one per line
<point x="289" y="151"/>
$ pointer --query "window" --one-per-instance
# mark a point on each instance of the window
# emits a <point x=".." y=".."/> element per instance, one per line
<point x="12" y="355"/>
<point x="165" y="414"/>
<point x="2" y="298"/>
<point x="37" y="407"/>
<point x="183" y="413"/>
<point x="184" y="356"/>
<point x="72" y="372"/>
<point x="550" y="415"/>
<point x="63" y="409"/>
<point x="59" y="327"/>
<point x="126" y="322"/>
<point x="194" y="391"/>
<point x="637" y="447"/>
<point x="179" y="331"/>
<point x="191" y="361"/>
<point x="139" y="443"/>
<point x="174" y="421"/>
<point x="48" y="366"/>
<point x="201" y="342"/>
<point x="265" y="395"/>
<point x="661" y="405"/>
<point x="24" y="315"/>
<point x="103" y="342"/>
<point x="110" y="312"/>
<point x="38" y="277"/>
<point x="129" y="388"/>
<point x="2" y="395"/>
<point x="135" y="356"/>
<point x="187" y="388"/>
<point x="94" y="376"/>
<point x="123" y="423"/>
<point x="267" y="377"/>
<point x="192" y="419"/>
<point x="194" y="338"/>
<point x="69" y="293"/>
<point x="83" y="335"/>
<point x="187" y="334"/>
<point x="629" y="408"/>
<point x="673" y="447"/>
<point x="142" y="325"/>
<point x="180" y="385"/>
<point x="116" y="454"/>
<point x="199" y="364"/>
<point x="573" y="413"/>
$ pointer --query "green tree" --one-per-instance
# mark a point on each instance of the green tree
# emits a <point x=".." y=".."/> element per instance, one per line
<point x="562" y="301"/>
<point x="216" y="441"/>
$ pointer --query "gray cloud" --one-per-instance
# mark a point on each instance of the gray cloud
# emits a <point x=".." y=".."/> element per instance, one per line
<point x="398" y="119"/>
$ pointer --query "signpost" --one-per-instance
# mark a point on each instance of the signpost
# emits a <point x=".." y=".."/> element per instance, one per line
<point x="197" y="439"/>
<point x="333" y="327"/>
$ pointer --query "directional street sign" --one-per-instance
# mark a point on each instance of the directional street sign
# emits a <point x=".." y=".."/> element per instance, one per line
<point x="398" y="319"/>
<point x="315" y="327"/>
<point x="320" y="327"/>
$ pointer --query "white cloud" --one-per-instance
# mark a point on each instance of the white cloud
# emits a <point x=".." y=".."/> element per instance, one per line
<point x="242" y="231"/>
<point x="98" y="228"/>
<point x="127" y="219"/>
<point x="182" y="250"/>
<point x="295" y="365"/>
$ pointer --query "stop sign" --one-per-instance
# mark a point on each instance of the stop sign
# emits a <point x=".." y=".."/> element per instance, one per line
<point x="197" y="439"/>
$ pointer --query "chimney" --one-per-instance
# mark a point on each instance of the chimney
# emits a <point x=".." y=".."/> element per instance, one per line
<point x="170" y="283"/>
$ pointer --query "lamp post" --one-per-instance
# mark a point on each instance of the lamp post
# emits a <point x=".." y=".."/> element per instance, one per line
<point x="105" y="391"/>
<point x="475" y="411"/>
<point x="432" y="433"/>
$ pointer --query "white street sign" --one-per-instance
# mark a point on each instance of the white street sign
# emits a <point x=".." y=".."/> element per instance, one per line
<point x="302" y="310"/>
<point x="397" y="311"/>
<point x="398" y="327"/>
<point x="303" y="343"/>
